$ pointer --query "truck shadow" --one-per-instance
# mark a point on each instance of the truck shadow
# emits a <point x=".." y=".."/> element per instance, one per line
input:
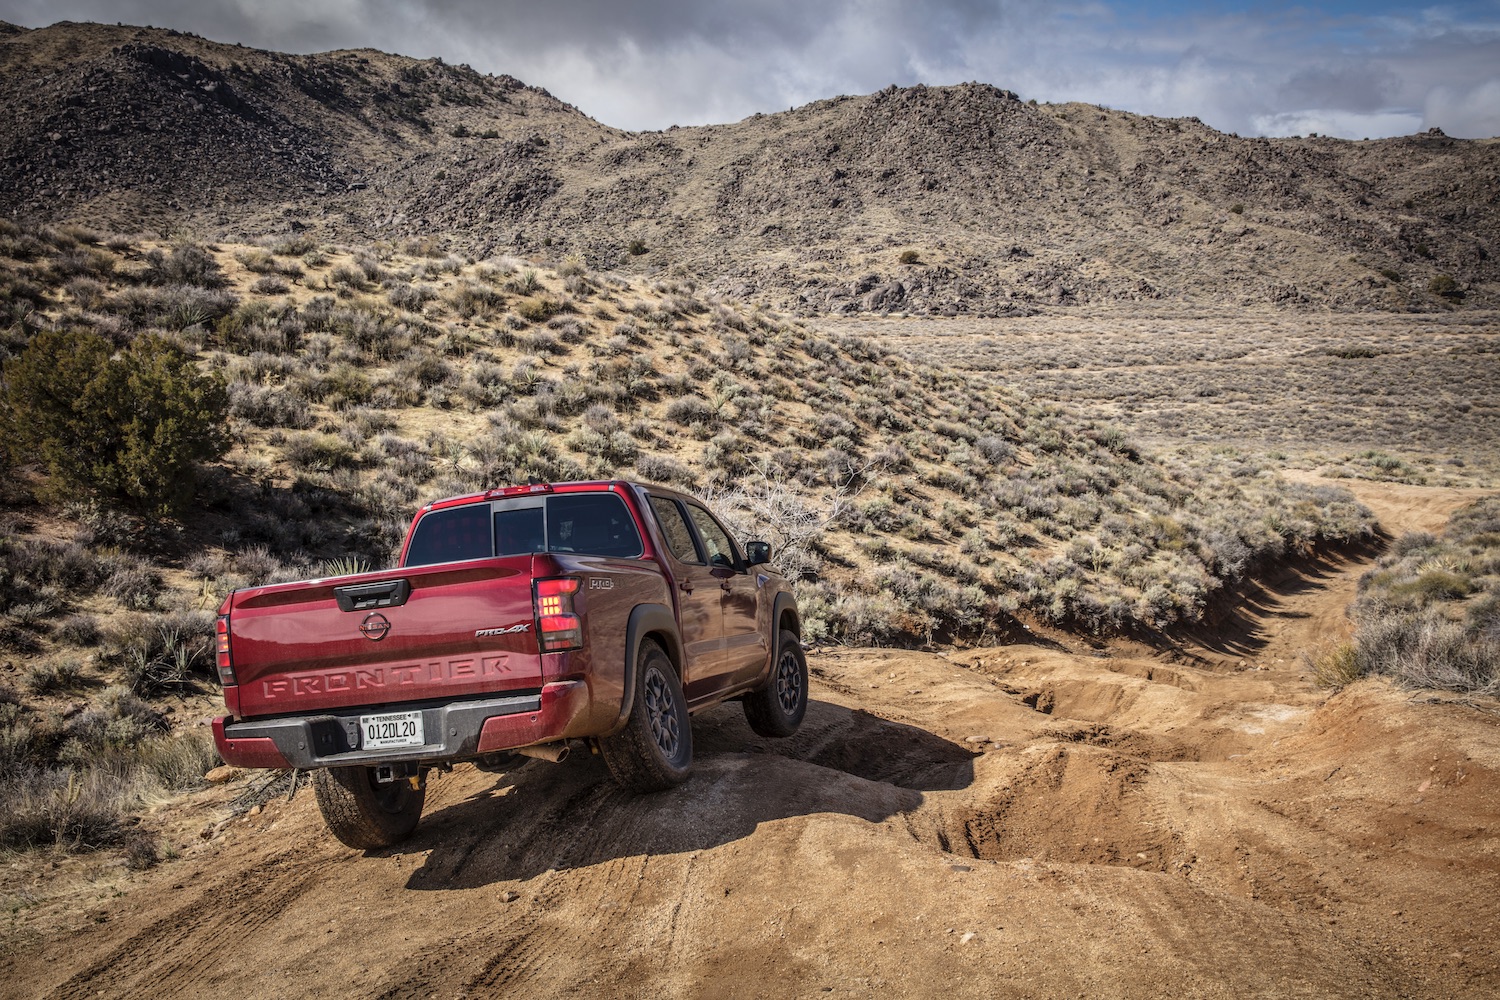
<point x="545" y="817"/>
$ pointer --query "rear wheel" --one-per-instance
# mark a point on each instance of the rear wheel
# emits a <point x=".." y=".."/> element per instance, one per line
<point x="777" y="709"/>
<point x="655" y="749"/>
<point x="364" y="813"/>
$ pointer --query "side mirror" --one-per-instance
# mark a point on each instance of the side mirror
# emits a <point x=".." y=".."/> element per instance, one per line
<point x="757" y="553"/>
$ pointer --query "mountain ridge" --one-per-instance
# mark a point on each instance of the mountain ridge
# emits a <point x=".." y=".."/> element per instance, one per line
<point x="923" y="200"/>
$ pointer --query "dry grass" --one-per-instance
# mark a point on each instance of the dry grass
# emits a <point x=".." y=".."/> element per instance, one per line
<point x="1429" y="613"/>
<point x="1414" y="398"/>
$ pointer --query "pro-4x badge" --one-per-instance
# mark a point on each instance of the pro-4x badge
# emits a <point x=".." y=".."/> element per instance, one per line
<point x="522" y="627"/>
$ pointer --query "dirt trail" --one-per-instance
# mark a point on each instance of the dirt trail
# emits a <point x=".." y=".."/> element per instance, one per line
<point x="1020" y="821"/>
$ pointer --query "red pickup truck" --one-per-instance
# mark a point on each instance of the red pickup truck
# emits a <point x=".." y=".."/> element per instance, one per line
<point x="519" y="621"/>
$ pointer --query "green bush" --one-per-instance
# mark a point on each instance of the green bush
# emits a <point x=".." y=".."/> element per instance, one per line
<point x="1446" y="286"/>
<point x="132" y="426"/>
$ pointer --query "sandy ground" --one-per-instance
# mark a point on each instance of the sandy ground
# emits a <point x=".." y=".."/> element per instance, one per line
<point x="1025" y="821"/>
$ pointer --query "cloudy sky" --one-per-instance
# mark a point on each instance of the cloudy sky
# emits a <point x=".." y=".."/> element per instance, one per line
<point x="1334" y="67"/>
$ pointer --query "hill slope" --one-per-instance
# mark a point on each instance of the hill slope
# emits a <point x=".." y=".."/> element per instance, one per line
<point x="999" y="204"/>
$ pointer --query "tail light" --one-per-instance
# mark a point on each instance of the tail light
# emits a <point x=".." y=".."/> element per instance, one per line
<point x="224" y="661"/>
<point x="558" y="626"/>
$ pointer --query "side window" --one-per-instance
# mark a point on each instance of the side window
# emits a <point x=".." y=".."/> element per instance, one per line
<point x="451" y="535"/>
<point x="721" y="550"/>
<point x="596" y="524"/>
<point x="675" y="529"/>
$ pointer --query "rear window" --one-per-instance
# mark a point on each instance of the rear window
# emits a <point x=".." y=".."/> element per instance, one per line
<point x="596" y="524"/>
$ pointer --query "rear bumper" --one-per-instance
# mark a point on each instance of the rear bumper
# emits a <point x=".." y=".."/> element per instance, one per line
<point x="454" y="731"/>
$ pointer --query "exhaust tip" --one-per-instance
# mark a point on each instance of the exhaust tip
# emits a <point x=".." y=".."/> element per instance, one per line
<point x="554" y="752"/>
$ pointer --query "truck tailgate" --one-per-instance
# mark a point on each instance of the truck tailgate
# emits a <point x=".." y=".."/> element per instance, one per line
<point x="451" y="630"/>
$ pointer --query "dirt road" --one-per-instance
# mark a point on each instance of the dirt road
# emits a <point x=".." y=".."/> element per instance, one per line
<point x="1025" y="821"/>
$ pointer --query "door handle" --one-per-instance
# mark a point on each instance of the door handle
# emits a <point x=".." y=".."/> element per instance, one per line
<point x="686" y="586"/>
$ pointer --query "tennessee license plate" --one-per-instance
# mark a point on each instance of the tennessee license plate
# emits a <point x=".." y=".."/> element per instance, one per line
<point x="397" y="729"/>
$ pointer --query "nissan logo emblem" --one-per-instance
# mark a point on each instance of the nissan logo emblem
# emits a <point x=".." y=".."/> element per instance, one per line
<point x="375" y="626"/>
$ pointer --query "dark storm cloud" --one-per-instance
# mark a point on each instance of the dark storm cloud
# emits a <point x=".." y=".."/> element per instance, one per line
<point x="1353" y="86"/>
<point x="1278" y="70"/>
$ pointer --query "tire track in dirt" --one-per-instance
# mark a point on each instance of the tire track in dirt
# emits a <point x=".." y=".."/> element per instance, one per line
<point x="177" y="949"/>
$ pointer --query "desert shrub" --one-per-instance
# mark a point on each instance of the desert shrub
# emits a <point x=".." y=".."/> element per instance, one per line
<point x="539" y="308"/>
<point x="78" y="630"/>
<point x="133" y="427"/>
<point x="616" y="448"/>
<point x="75" y="810"/>
<point x="16" y="638"/>
<point x="132" y="581"/>
<point x="484" y="385"/>
<point x="269" y="406"/>
<point x="47" y="678"/>
<point x="541" y="342"/>
<point x="1333" y="667"/>
<point x="158" y="653"/>
<point x="425" y="370"/>
<point x="88" y="293"/>
<point x="690" y="410"/>
<point x="410" y="297"/>
<point x="910" y="257"/>
<point x="1445" y="286"/>
<point x="82" y="261"/>
<point x="270" y="284"/>
<point x="1429" y="614"/>
<point x="471" y="299"/>
<point x="258" y="261"/>
<point x="188" y="264"/>
<point x="665" y="470"/>
<point x="347" y="277"/>
<point x="319" y="451"/>
<point x="72" y="781"/>
<point x="174" y="307"/>
<point x="177" y="761"/>
<point x="995" y="449"/>
<point x="29" y="566"/>
<point x="525" y="283"/>
<point x="293" y="245"/>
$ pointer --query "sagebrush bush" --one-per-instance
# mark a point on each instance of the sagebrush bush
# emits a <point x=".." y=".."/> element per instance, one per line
<point x="188" y="264"/>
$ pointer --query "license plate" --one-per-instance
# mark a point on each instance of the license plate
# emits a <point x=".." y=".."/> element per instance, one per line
<point x="398" y="729"/>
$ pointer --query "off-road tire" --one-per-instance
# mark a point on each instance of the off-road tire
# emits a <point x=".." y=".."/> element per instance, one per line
<point x="361" y="812"/>
<point x="655" y="749"/>
<point x="776" y="710"/>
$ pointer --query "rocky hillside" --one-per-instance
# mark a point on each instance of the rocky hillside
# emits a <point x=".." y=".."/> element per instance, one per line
<point x="925" y="200"/>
